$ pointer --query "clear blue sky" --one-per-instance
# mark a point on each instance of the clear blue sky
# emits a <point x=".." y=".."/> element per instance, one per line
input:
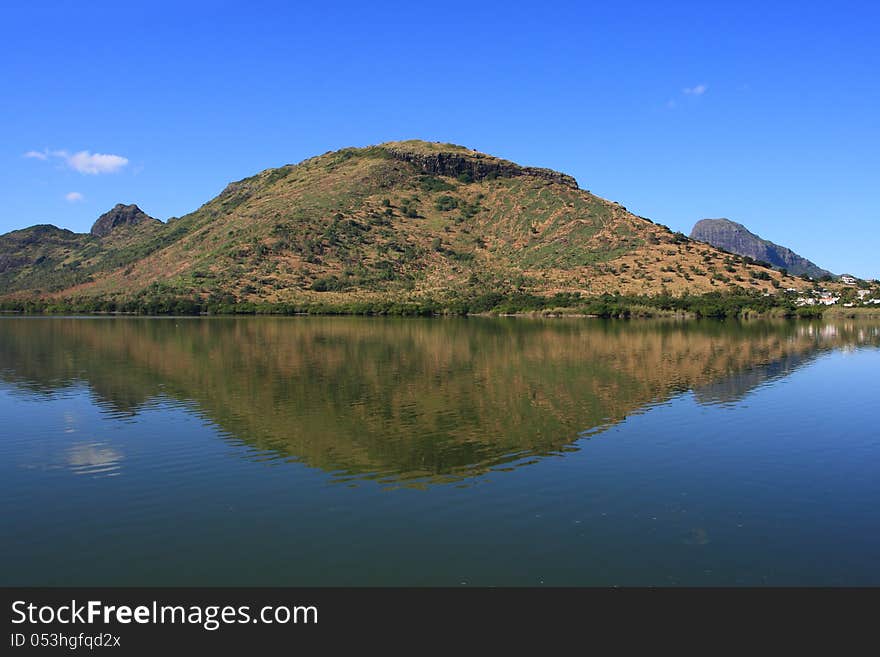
<point x="766" y="113"/>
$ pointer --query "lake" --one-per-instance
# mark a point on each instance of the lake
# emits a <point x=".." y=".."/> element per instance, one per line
<point x="461" y="452"/>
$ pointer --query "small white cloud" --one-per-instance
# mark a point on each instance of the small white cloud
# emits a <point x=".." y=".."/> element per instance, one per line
<point x="94" y="163"/>
<point x="699" y="90"/>
<point x="83" y="161"/>
<point x="74" y="197"/>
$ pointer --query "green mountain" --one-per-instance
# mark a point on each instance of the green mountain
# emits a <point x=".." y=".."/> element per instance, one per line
<point x="401" y="221"/>
<point x="46" y="258"/>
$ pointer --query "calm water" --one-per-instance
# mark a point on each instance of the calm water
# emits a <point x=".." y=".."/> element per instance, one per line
<point x="332" y="451"/>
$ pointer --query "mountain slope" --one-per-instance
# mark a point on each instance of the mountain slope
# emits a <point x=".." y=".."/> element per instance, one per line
<point x="736" y="238"/>
<point x="404" y="220"/>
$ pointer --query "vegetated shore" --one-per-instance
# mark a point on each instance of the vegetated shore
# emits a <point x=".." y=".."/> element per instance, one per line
<point x="712" y="305"/>
<point x="835" y="312"/>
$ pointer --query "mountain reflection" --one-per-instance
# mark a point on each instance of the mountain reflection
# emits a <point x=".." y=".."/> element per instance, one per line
<point x="404" y="399"/>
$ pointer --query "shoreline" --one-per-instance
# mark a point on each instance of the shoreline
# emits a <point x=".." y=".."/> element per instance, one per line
<point x="640" y="314"/>
<point x="715" y="305"/>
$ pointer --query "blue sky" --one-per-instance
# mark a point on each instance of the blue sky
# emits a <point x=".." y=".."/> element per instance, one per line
<point x="766" y="113"/>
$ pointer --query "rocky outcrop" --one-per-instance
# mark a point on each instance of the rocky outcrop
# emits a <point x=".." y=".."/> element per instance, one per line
<point x="736" y="238"/>
<point x="477" y="166"/>
<point x="120" y="215"/>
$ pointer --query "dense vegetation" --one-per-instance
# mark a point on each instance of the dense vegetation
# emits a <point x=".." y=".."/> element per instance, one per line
<point x="711" y="305"/>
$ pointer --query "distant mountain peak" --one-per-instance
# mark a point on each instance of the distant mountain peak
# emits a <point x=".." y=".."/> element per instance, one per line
<point x="120" y="215"/>
<point x="734" y="237"/>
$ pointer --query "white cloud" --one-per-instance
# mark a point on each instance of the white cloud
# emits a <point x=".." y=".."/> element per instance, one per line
<point x="73" y="197"/>
<point x="83" y="161"/>
<point x="94" y="163"/>
<point x="699" y="90"/>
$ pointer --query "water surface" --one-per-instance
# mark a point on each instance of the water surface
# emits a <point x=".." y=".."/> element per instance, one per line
<point x="333" y="451"/>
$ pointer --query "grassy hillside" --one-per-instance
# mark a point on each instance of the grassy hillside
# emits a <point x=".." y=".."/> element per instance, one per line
<point x="403" y="221"/>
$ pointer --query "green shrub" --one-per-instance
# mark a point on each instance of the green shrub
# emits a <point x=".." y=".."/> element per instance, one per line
<point x="434" y="184"/>
<point x="446" y="203"/>
<point x="327" y="284"/>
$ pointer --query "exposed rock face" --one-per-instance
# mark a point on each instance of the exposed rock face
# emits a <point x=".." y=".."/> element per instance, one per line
<point x="120" y="215"/>
<point x="736" y="238"/>
<point x="477" y="165"/>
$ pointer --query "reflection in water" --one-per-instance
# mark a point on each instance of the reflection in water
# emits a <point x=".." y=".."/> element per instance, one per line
<point x="94" y="459"/>
<point x="201" y="418"/>
<point x="429" y="400"/>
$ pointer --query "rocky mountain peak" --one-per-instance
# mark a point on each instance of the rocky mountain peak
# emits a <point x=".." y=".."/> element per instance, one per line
<point x="736" y="238"/>
<point x="120" y="215"/>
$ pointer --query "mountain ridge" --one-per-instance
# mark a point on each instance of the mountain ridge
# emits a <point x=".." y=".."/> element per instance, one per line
<point x="406" y="220"/>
